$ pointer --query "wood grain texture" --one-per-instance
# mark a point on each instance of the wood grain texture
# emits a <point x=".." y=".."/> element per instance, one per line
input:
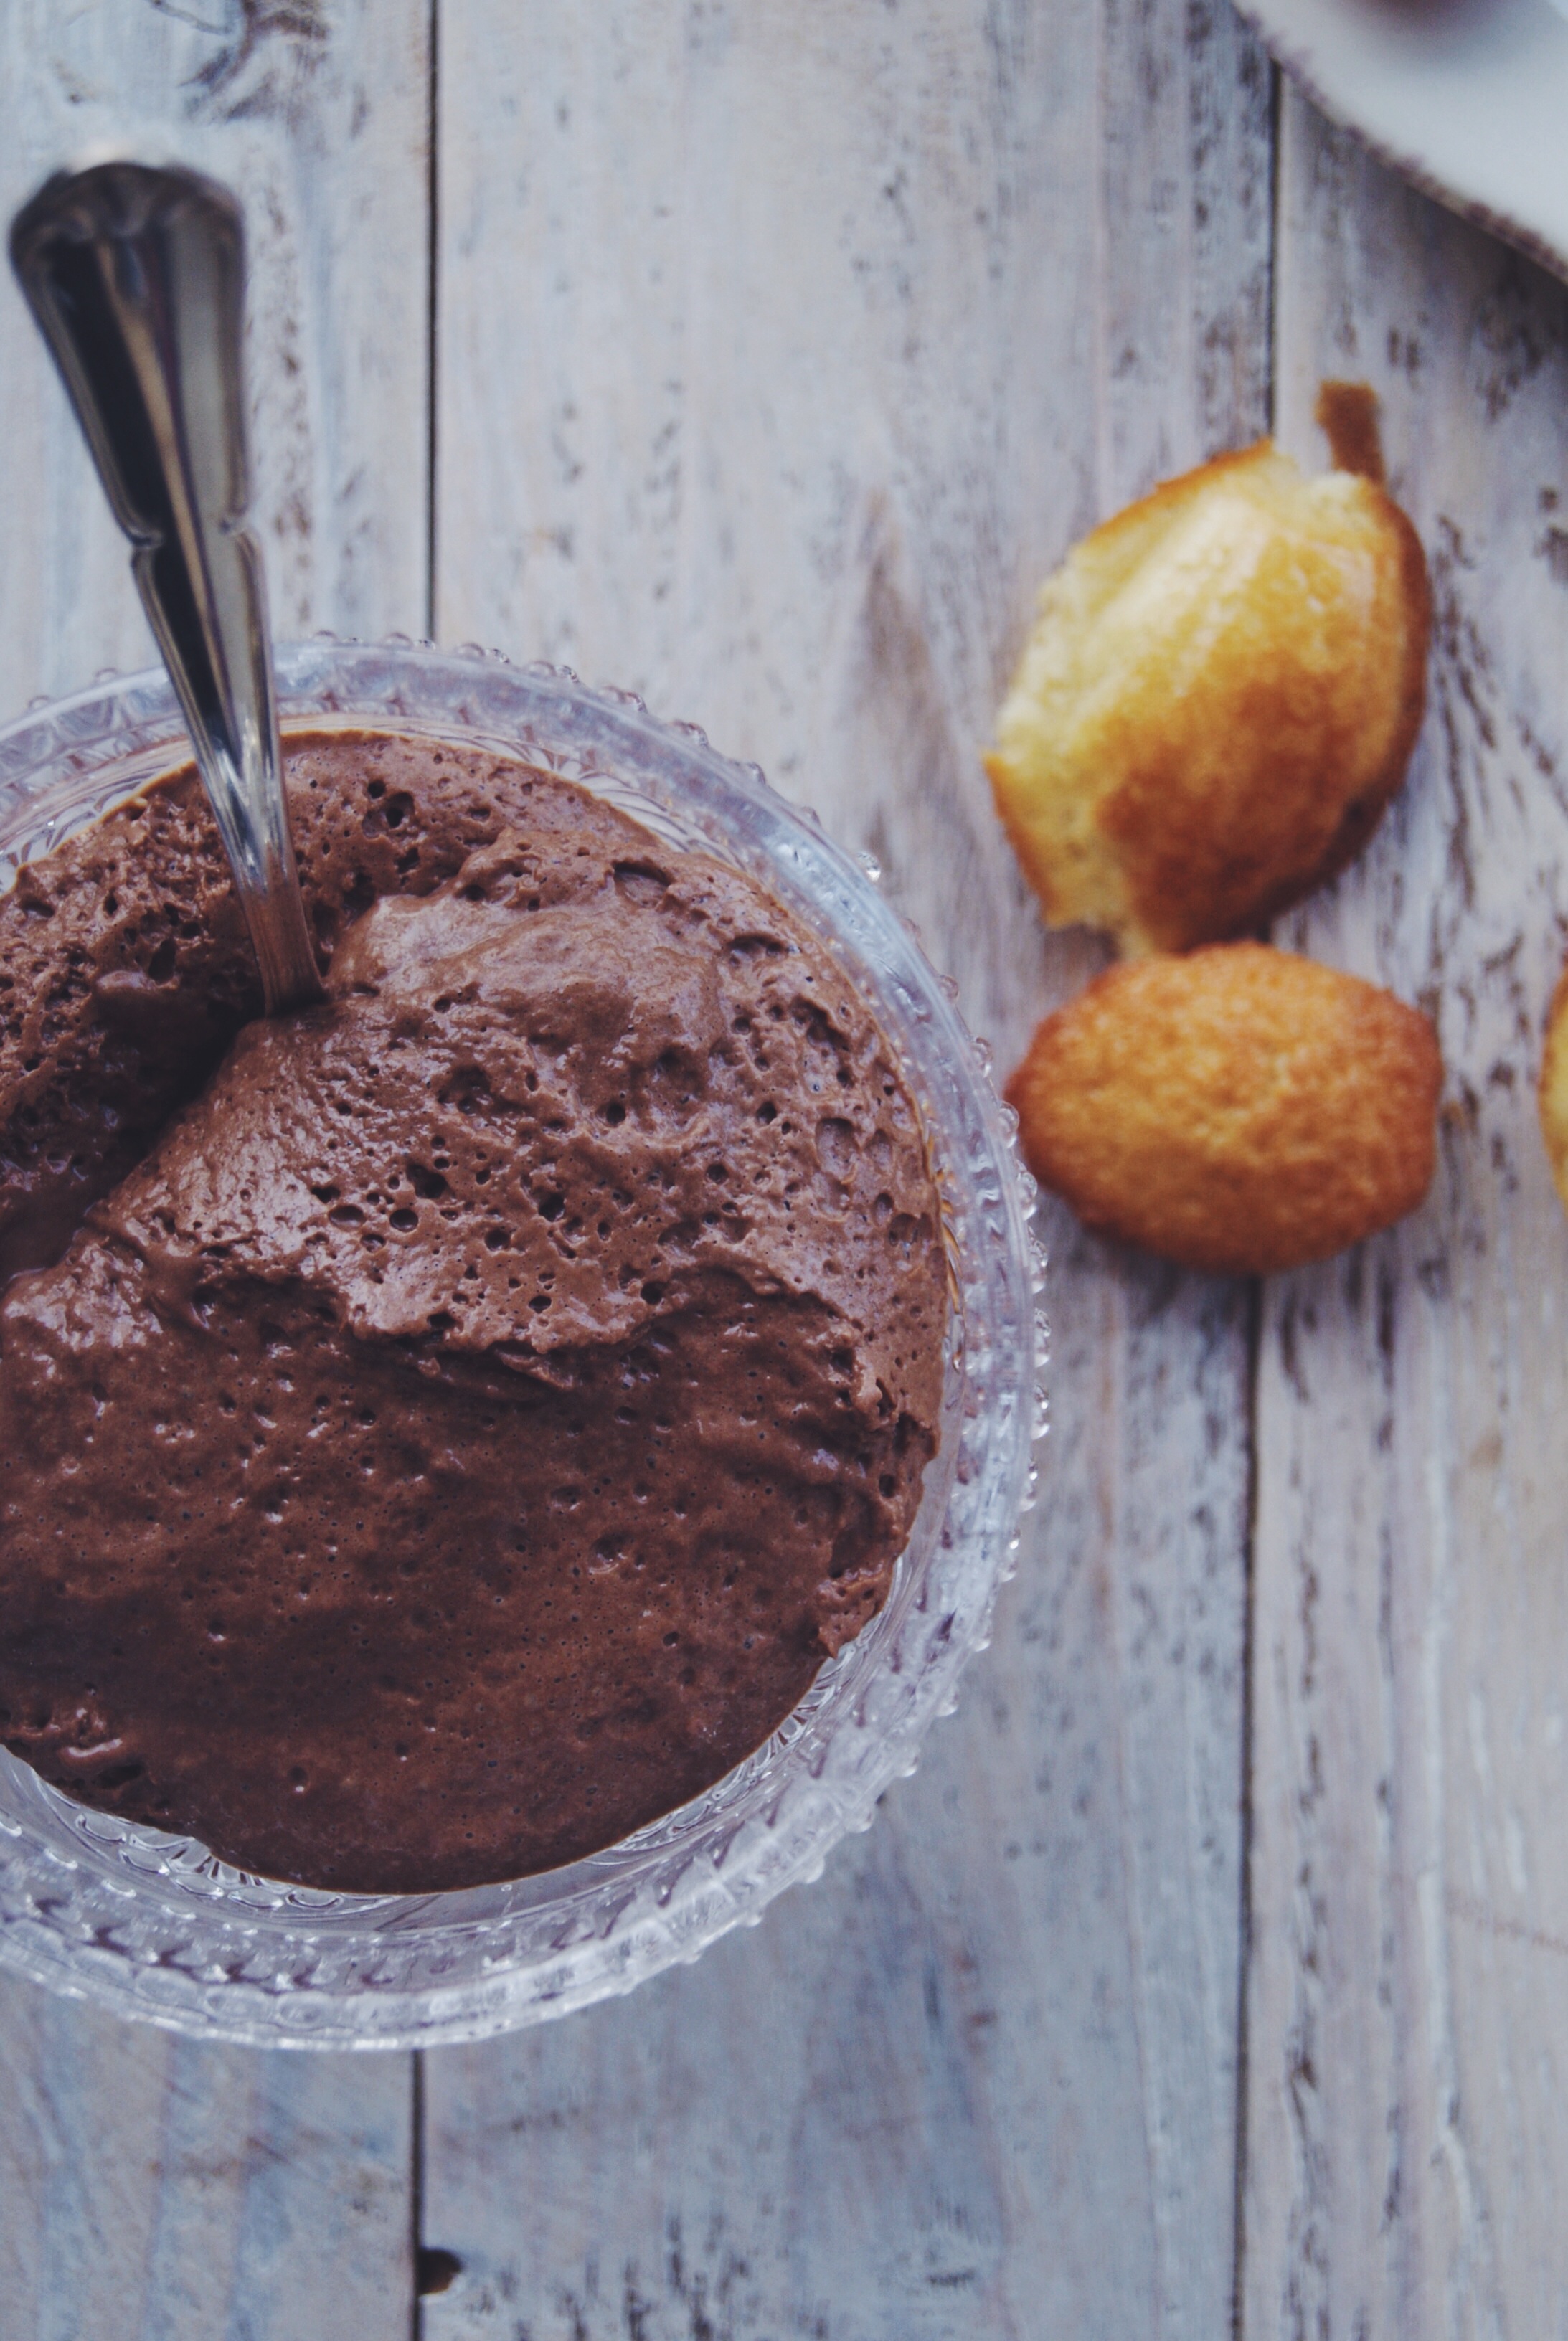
<point x="317" y="115"/>
<point x="781" y="355"/>
<point x="154" y="2190"/>
<point x="149" y="2190"/>
<point x="1409" y="1981"/>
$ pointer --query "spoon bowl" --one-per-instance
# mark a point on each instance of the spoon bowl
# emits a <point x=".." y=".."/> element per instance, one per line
<point x="136" y="279"/>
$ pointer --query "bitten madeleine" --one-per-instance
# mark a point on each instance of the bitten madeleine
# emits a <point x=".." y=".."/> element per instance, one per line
<point x="1239" y="1110"/>
<point x="1554" y="1096"/>
<point x="1219" y="699"/>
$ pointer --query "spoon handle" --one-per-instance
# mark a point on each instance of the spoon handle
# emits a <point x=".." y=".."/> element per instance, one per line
<point x="136" y="277"/>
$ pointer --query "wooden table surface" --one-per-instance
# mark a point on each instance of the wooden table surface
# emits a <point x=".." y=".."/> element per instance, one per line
<point x="1211" y="1975"/>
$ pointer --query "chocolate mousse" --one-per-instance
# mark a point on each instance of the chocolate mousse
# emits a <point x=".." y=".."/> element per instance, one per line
<point x="443" y="1430"/>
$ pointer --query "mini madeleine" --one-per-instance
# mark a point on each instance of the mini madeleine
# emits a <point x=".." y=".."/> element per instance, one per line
<point x="1218" y="698"/>
<point x="1554" y="1091"/>
<point x="1238" y="1109"/>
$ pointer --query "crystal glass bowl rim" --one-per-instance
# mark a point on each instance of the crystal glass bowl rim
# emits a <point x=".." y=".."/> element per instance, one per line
<point x="152" y="1926"/>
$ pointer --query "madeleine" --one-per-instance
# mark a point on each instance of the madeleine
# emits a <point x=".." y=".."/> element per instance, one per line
<point x="1218" y="698"/>
<point x="1554" y="1094"/>
<point x="1239" y="1110"/>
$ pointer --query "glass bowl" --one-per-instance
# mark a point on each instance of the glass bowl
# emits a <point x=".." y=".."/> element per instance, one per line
<point x="153" y="1926"/>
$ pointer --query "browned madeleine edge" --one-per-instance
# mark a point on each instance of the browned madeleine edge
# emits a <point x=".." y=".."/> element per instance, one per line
<point x="1551" y="1094"/>
<point x="1359" y="822"/>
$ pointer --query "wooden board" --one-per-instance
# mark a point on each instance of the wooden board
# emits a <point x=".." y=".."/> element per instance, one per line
<point x="1409" y="1985"/>
<point x="780" y="357"/>
<point x="149" y="2188"/>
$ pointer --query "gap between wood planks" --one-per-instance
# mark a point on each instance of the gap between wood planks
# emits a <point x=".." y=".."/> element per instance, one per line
<point x="433" y="2266"/>
<point x="418" y="2252"/>
<point x="1254" y="1358"/>
<point x="430" y="2269"/>
<point x="1249" y="1610"/>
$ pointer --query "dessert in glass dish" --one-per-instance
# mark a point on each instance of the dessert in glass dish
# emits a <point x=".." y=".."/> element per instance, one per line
<point x="505" y="1462"/>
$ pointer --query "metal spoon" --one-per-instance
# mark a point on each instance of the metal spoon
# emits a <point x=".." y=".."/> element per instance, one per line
<point x="137" y="278"/>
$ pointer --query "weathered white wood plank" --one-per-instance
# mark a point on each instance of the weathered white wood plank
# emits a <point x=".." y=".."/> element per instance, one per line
<point x="1409" y="1985"/>
<point x="158" y="2191"/>
<point x="152" y="2190"/>
<point x="782" y="353"/>
<point x="317" y="114"/>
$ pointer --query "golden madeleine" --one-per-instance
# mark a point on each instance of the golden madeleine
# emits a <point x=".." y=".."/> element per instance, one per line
<point x="1218" y="700"/>
<point x="1554" y="1094"/>
<point x="1238" y="1109"/>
